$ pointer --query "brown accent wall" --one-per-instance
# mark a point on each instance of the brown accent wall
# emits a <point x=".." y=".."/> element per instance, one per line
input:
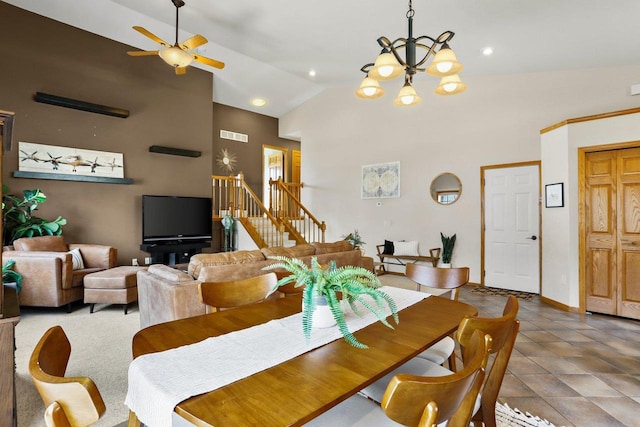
<point x="262" y="130"/>
<point x="42" y="55"/>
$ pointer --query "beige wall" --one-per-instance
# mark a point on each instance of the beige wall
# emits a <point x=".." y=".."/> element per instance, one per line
<point x="165" y="109"/>
<point x="496" y="121"/>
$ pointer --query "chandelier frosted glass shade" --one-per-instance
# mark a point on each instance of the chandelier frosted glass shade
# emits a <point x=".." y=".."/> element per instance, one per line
<point x="444" y="64"/>
<point x="369" y="89"/>
<point x="175" y="56"/>
<point x="410" y="57"/>
<point x="407" y="97"/>
<point x="386" y="67"/>
<point x="450" y="85"/>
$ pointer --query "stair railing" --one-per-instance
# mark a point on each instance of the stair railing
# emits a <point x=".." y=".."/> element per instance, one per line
<point x="232" y="195"/>
<point x="296" y="218"/>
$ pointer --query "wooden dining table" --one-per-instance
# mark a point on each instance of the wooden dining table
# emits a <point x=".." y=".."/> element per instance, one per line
<point x="298" y="390"/>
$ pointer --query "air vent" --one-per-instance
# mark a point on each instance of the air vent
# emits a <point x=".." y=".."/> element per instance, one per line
<point x="234" y="136"/>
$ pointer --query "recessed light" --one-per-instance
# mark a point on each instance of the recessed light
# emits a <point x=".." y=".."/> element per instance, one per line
<point x="258" y="102"/>
<point x="487" y="51"/>
<point x="312" y="73"/>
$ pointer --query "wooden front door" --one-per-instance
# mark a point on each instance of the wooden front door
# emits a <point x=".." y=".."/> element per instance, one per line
<point x="612" y="226"/>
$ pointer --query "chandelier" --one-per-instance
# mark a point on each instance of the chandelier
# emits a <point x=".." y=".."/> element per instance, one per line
<point x="390" y="65"/>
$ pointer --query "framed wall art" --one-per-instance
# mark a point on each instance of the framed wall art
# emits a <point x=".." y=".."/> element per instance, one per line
<point x="381" y="180"/>
<point x="51" y="159"/>
<point x="554" y="195"/>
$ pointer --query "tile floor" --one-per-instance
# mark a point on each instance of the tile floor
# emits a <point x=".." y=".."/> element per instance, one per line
<point x="573" y="370"/>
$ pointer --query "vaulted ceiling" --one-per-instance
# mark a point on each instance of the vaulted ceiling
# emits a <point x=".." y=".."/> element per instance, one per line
<point x="269" y="46"/>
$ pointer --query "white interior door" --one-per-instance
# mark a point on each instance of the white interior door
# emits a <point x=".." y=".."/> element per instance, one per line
<point x="511" y="235"/>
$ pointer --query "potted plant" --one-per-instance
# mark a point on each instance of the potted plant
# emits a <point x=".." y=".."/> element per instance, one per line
<point x="18" y="219"/>
<point x="355" y="239"/>
<point x="447" y="248"/>
<point x="324" y="284"/>
<point x="9" y="275"/>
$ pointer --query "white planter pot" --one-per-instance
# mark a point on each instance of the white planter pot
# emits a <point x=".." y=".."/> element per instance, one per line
<point x="445" y="265"/>
<point x="322" y="316"/>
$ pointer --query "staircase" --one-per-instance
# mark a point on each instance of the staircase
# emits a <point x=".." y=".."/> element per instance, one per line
<point x="286" y="223"/>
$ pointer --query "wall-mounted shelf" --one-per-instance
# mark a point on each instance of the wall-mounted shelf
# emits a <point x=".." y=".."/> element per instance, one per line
<point x="60" y="101"/>
<point x="65" y="177"/>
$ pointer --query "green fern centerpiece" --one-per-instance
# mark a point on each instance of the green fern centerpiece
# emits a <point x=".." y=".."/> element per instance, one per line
<point x="356" y="284"/>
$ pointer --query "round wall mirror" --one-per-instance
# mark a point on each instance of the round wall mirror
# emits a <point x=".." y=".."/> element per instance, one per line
<point x="446" y="188"/>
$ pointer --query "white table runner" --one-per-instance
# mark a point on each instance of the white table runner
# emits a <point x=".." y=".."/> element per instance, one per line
<point x="159" y="381"/>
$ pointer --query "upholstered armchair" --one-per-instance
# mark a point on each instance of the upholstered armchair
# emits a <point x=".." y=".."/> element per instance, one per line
<point x="53" y="271"/>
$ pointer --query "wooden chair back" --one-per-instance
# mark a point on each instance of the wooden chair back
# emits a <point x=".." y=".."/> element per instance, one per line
<point x="440" y="278"/>
<point x="426" y="401"/>
<point x="503" y="331"/>
<point x="290" y="288"/>
<point x="70" y="401"/>
<point x="54" y="416"/>
<point x="235" y="293"/>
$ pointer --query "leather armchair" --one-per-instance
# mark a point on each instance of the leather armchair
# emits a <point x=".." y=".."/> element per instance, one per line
<point x="46" y="265"/>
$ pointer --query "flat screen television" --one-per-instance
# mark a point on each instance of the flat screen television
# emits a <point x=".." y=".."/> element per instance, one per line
<point x="175" y="219"/>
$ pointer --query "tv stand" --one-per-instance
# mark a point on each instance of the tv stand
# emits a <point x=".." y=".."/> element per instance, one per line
<point x="173" y="253"/>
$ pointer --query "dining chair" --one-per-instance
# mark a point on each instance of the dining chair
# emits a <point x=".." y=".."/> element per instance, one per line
<point x="503" y="331"/>
<point x="416" y="400"/>
<point x="290" y="288"/>
<point x="69" y="401"/>
<point x="439" y="278"/>
<point x="235" y="293"/>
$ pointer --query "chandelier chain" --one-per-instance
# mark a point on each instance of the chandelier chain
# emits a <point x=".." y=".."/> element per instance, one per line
<point x="410" y="12"/>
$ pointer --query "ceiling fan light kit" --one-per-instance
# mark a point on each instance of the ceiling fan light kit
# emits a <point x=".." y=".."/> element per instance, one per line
<point x="390" y="65"/>
<point x="177" y="55"/>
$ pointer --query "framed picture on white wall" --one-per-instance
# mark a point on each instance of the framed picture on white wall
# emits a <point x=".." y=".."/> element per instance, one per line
<point x="381" y="180"/>
<point x="554" y="195"/>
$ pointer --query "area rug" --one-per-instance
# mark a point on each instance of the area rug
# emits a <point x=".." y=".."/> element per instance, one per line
<point x="526" y="296"/>
<point x="507" y="417"/>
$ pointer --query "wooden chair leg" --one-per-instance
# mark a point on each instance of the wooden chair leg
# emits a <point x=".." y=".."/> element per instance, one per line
<point x="452" y="362"/>
<point x="133" y="420"/>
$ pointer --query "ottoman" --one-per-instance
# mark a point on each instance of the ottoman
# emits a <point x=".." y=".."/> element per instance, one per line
<point x="113" y="286"/>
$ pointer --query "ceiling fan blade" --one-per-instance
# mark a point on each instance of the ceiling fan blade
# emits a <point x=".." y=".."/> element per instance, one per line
<point x="181" y="70"/>
<point x="193" y="42"/>
<point x="152" y="36"/>
<point x="208" y="61"/>
<point x="143" y="53"/>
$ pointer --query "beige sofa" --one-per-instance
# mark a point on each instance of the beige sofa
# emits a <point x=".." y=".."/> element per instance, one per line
<point x="166" y="293"/>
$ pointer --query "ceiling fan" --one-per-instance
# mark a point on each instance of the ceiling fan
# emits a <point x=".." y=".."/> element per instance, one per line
<point x="177" y="55"/>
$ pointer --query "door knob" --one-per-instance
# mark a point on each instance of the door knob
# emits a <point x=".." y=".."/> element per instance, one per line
<point x="532" y="238"/>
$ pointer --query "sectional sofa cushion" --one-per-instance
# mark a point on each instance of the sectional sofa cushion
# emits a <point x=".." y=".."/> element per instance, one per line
<point x="297" y="251"/>
<point x="41" y="243"/>
<point x="327" y="248"/>
<point x="222" y="258"/>
<point x="169" y="273"/>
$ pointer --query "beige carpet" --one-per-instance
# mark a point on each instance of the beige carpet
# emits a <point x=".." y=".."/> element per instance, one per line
<point x="100" y="348"/>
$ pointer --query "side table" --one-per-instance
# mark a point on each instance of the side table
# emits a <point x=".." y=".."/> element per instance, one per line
<point x="8" y="322"/>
